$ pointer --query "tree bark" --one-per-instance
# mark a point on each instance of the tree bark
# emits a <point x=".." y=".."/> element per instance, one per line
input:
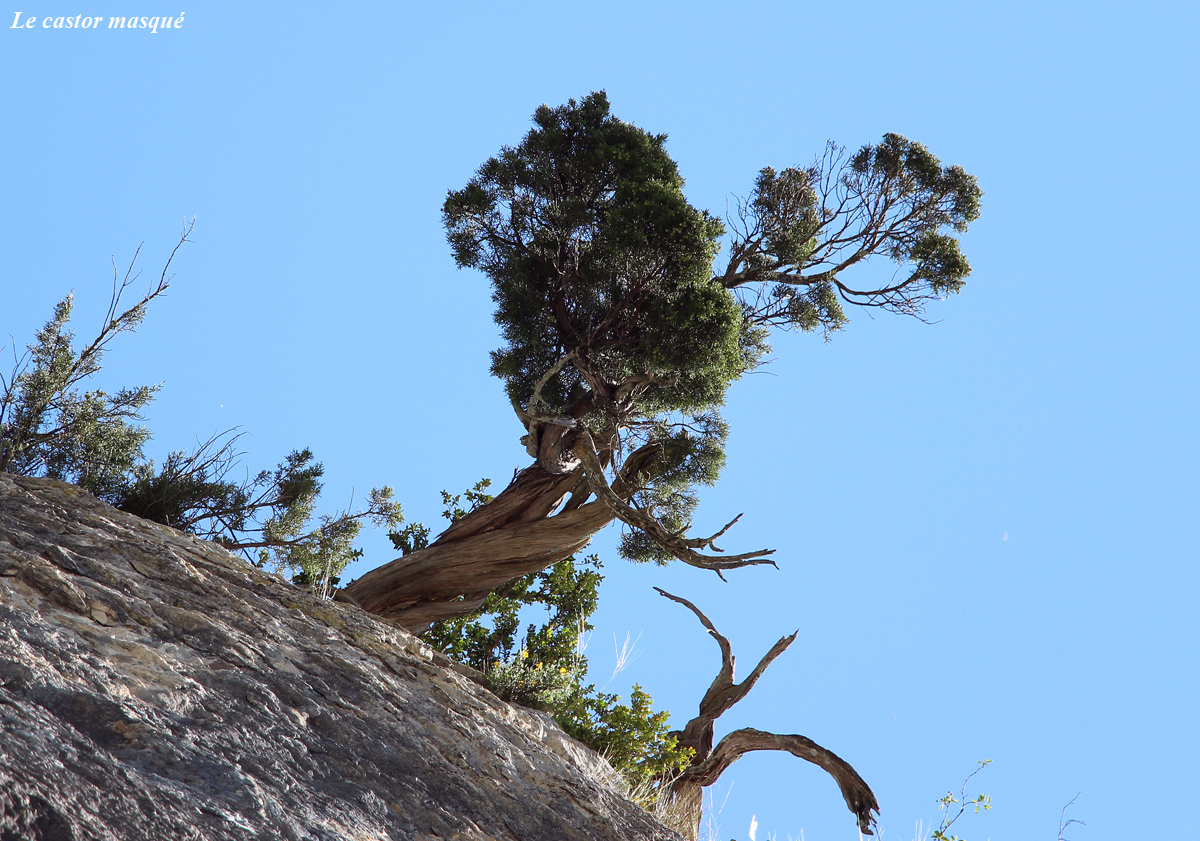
<point x="519" y="532"/>
<point x="510" y="537"/>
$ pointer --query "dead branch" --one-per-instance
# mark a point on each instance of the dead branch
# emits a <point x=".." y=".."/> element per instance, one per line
<point x="1063" y="823"/>
<point x="858" y="795"/>
<point x="130" y="318"/>
<point x="724" y="691"/>
<point x="681" y="547"/>
<point x="709" y="763"/>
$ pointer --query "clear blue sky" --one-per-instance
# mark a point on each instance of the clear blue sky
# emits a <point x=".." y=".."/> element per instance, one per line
<point x="986" y="526"/>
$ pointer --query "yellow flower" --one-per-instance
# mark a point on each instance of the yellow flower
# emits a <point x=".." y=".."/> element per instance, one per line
<point x="562" y="670"/>
<point x="539" y="665"/>
<point x="524" y="654"/>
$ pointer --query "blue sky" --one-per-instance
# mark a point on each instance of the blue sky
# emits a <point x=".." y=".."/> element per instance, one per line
<point x="985" y="525"/>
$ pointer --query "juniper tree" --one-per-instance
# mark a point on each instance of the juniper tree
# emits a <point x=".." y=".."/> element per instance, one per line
<point x="622" y="332"/>
<point x="621" y="335"/>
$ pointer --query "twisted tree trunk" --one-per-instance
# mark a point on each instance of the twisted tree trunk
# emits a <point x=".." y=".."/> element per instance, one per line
<point x="542" y="517"/>
<point x="708" y="762"/>
<point x="510" y="537"/>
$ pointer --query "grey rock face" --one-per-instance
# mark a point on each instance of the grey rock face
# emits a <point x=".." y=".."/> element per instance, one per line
<point x="155" y="686"/>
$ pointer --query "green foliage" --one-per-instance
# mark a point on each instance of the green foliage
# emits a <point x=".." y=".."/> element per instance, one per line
<point x="476" y="496"/>
<point x="487" y="638"/>
<point x="688" y="453"/>
<point x="935" y="197"/>
<point x="802" y="229"/>
<point x="950" y="814"/>
<point x="611" y="311"/>
<point x="49" y="427"/>
<point x="596" y="256"/>
<point x="186" y="489"/>
<point x="317" y="556"/>
<point x="546" y="668"/>
<point x="548" y="671"/>
<point x="267" y="517"/>
<point x="633" y="737"/>
<point x="593" y="249"/>
<point x="412" y="537"/>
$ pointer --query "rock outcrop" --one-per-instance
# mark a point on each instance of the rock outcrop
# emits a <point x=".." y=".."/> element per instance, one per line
<point x="155" y="686"/>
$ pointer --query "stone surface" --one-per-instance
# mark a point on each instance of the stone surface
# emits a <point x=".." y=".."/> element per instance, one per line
<point x="155" y="686"/>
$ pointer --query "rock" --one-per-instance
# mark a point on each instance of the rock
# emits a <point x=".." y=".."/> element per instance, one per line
<point x="156" y="686"/>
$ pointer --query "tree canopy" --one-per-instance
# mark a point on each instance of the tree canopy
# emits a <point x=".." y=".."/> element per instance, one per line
<point x="620" y="332"/>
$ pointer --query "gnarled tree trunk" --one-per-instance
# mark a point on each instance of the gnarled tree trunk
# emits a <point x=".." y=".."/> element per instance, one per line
<point x="510" y="537"/>
<point x="542" y="517"/>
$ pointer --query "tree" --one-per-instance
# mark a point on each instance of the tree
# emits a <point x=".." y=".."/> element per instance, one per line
<point x="48" y="427"/>
<point x="621" y="339"/>
<point x="267" y="517"/>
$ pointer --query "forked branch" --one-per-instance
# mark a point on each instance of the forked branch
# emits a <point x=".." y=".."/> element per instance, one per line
<point x="709" y="763"/>
<point x="131" y="317"/>
<point x="724" y="691"/>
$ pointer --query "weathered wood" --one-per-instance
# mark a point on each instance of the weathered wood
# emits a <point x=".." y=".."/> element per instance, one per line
<point x="450" y="579"/>
<point x="683" y="548"/>
<point x="518" y="533"/>
<point x="708" y="763"/>
<point x="858" y="795"/>
<point x="532" y="495"/>
<point x="509" y="537"/>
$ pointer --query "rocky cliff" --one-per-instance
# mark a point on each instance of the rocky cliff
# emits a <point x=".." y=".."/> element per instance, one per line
<point x="155" y="686"/>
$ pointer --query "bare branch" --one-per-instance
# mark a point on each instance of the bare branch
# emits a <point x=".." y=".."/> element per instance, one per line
<point x="858" y="795"/>
<point x="723" y="641"/>
<point x="541" y="383"/>
<point x="724" y="692"/>
<point x="679" y="546"/>
<point x="131" y="317"/>
<point x="709" y="763"/>
<point x="1063" y="823"/>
